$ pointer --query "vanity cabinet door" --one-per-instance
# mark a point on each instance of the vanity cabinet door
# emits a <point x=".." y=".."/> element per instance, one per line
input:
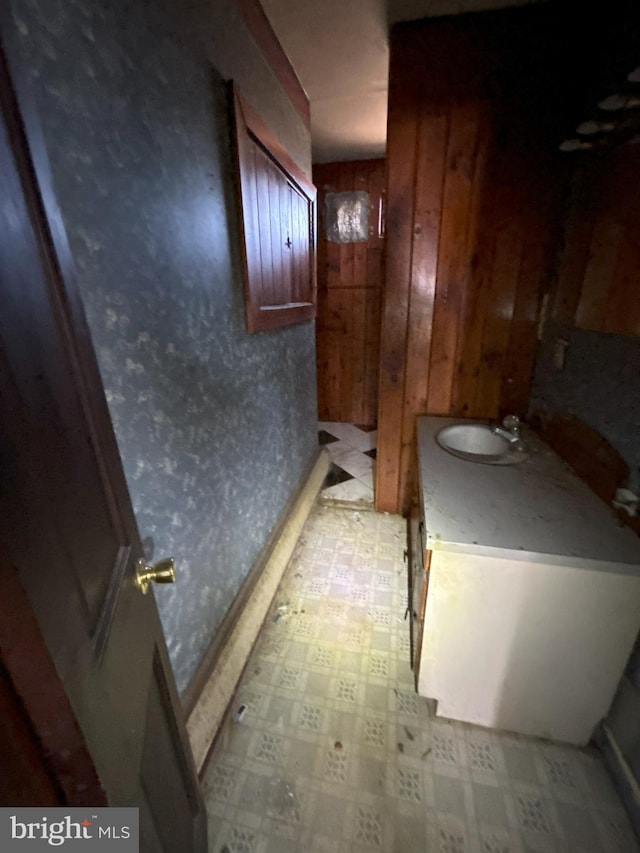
<point x="420" y="590"/>
<point x="419" y="560"/>
<point x="414" y="572"/>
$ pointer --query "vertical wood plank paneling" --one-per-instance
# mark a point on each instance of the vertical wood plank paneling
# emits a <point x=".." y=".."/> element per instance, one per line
<point x="480" y="247"/>
<point x="326" y="350"/>
<point x="401" y="175"/>
<point x="360" y="251"/>
<point x="264" y="214"/>
<point x="332" y="375"/>
<point x="349" y="284"/>
<point x="358" y="353"/>
<point x="344" y="300"/>
<point x="464" y="344"/>
<point x="300" y="227"/>
<point x="521" y="348"/>
<point x="267" y="181"/>
<point x="360" y="182"/>
<point x="433" y="134"/>
<point x="372" y="353"/>
<point x="623" y="310"/>
<point x="275" y="224"/>
<point x="572" y="260"/>
<point x="333" y="267"/>
<point x="598" y="267"/>
<point x="453" y="261"/>
<point x="251" y="229"/>
<point x="603" y="259"/>
<point x="375" y="267"/>
<point x="508" y="229"/>
<point x="328" y="177"/>
<point x="542" y="226"/>
<point x="347" y="250"/>
<point x="306" y="216"/>
<point x="286" y="239"/>
<point x="376" y="186"/>
<point x="475" y="301"/>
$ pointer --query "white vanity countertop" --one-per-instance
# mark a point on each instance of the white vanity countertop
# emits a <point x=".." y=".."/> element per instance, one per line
<point x="538" y="506"/>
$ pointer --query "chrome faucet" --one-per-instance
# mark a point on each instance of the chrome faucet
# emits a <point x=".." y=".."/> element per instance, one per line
<point x="512" y="428"/>
<point x="512" y="423"/>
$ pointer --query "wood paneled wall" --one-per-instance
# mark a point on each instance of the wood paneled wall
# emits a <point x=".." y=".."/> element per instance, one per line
<point x="348" y="312"/>
<point x="599" y="270"/>
<point x="471" y="221"/>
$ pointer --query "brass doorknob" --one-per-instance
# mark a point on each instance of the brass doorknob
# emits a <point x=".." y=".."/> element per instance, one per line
<point x="162" y="572"/>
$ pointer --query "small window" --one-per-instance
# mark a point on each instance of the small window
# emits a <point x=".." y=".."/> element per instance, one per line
<point x="277" y="204"/>
<point x="347" y="217"/>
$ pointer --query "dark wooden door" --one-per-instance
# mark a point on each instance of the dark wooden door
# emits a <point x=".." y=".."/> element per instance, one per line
<point x="349" y="297"/>
<point x="67" y="525"/>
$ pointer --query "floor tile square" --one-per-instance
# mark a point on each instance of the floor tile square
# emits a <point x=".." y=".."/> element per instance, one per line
<point x="328" y="812"/>
<point x="410" y="834"/>
<point x="350" y="491"/>
<point x="449" y="796"/>
<point x="578" y="827"/>
<point x="370" y="775"/>
<point x="533" y="813"/>
<point x="369" y="823"/>
<point x="325" y="437"/>
<point x="318" y="684"/>
<point x="521" y="765"/>
<point x="336" y="475"/>
<point x="376" y="697"/>
<point x="303" y="758"/>
<point x="489" y="805"/>
<point x="279" y="710"/>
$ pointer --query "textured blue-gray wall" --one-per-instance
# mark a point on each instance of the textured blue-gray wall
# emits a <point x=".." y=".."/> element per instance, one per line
<point x="600" y="384"/>
<point x="216" y="427"/>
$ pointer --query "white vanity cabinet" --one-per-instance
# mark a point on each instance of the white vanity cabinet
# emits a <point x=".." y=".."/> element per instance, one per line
<point x="528" y="604"/>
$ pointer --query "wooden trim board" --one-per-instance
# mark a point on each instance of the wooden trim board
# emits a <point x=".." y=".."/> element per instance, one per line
<point x="267" y="42"/>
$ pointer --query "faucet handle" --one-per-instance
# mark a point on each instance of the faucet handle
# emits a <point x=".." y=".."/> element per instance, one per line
<point x="511" y="422"/>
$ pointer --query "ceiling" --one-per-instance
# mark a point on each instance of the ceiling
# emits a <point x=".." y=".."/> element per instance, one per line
<point x="340" y="53"/>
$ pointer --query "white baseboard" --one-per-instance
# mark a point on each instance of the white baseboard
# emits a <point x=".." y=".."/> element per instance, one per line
<point x="210" y="708"/>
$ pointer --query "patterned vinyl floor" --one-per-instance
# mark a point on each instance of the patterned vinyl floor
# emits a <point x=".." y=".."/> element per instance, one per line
<point x="328" y="749"/>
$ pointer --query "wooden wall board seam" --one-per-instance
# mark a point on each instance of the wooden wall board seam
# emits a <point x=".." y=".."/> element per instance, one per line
<point x="431" y="151"/>
<point x="348" y="331"/>
<point x="400" y="204"/>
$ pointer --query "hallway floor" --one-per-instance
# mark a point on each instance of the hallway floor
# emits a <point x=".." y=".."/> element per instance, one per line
<point x="353" y="452"/>
<point x="328" y="749"/>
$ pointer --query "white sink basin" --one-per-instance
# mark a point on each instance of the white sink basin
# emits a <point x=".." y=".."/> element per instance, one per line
<point x="481" y="443"/>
